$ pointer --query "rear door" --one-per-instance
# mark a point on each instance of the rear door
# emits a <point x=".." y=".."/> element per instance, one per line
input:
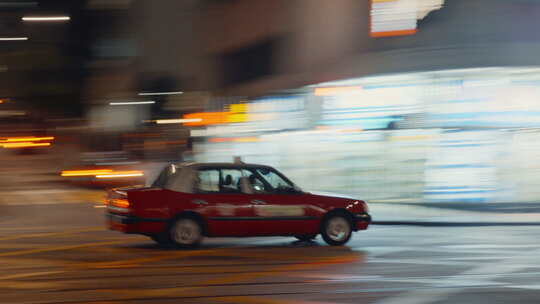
<point x="228" y="211"/>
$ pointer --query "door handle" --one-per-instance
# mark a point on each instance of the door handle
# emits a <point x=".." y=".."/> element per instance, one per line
<point x="258" y="202"/>
<point x="199" y="202"/>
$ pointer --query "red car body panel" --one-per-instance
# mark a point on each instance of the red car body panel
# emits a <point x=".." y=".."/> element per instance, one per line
<point x="151" y="210"/>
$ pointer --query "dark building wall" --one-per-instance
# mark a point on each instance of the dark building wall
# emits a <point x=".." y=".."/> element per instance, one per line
<point x="327" y="40"/>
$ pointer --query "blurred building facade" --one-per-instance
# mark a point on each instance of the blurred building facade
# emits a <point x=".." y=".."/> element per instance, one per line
<point x="435" y="103"/>
<point x="437" y="108"/>
<point x="258" y="46"/>
<point x="142" y="47"/>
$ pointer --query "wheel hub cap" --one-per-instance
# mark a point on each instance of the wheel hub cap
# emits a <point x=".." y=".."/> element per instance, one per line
<point x="186" y="232"/>
<point x="338" y="229"/>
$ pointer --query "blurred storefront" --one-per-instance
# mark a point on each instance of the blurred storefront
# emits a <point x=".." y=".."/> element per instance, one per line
<point x="446" y="136"/>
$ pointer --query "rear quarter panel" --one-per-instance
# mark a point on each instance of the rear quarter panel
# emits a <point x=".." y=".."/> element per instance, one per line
<point x="149" y="203"/>
<point x="151" y="206"/>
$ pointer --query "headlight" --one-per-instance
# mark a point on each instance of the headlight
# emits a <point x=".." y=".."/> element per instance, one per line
<point x="365" y="205"/>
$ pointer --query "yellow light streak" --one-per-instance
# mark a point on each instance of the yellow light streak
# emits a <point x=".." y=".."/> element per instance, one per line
<point x="24" y="145"/>
<point x="120" y="174"/>
<point x="86" y="172"/>
<point x="26" y="139"/>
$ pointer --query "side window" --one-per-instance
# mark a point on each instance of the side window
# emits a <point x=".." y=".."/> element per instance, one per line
<point x="208" y="181"/>
<point x="256" y="184"/>
<point x="275" y="183"/>
<point x="231" y="181"/>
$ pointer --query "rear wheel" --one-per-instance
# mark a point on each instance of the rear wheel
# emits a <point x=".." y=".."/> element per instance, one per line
<point x="337" y="229"/>
<point x="186" y="232"/>
<point x="305" y="238"/>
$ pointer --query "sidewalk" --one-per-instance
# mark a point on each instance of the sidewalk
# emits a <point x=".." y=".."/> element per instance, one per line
<point x="456" y="214"/>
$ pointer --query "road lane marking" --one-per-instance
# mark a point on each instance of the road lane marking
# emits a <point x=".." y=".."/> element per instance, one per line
<point x="29" y="285"/>
<point x="62" y="248"/>
<point x="198" y="291"/>
<point x="174" y="254"/>
<point x="28" y="275"/>
<point x="252" y="300"/>
<point x="439" y="290"/>
<point x="51" y="234"/>
<point x="137" y="261"/>
<point x="21" y="228"/>
<point x="81" y="195"/>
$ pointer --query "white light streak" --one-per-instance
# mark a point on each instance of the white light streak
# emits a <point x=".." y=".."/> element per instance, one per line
<point x="177" y="121"/>
<point x="13" y="38"/>
<point x="45" y="19"/>
<point x="160" y="93"/>
<point x="126" y="103"/>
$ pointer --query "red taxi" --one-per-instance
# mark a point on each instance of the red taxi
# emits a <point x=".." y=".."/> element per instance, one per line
<point x="190" y="201"/>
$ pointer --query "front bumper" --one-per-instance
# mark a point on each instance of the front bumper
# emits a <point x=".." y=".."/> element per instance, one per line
<point x="362" y="221"/>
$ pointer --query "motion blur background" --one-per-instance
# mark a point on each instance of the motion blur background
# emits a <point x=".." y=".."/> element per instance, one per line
<point x="390" y="100"/>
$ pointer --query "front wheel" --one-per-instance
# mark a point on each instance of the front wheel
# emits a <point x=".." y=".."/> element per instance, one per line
<point x="186" y="232"/>
<point x="337" y="229"/>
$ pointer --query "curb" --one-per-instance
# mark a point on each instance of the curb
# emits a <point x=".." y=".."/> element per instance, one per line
<point x="453" y="224"/>
<point x="507" y="207"/>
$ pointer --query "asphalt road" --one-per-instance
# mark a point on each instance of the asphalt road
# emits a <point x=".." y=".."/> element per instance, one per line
<point x="63" y="254"/>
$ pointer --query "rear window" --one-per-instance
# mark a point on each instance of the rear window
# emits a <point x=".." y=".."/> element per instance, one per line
<point x="208" y="181"/>
<point x="164" y="176"/>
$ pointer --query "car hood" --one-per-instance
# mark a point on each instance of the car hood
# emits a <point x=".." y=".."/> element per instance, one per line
<point x="333" y="195"/>
<point x="329" y="201"/>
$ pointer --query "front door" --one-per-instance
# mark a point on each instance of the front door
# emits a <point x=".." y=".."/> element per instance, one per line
<point x="278" y="206"/>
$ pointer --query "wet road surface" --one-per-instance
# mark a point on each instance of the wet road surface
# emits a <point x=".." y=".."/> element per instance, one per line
<point x="61" y="253"/>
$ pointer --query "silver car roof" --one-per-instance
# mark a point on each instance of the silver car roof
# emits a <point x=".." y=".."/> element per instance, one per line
<point x="221" y="165"/>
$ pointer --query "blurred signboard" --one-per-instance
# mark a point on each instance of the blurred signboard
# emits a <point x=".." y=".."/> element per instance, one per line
<point x="399" y="17"/>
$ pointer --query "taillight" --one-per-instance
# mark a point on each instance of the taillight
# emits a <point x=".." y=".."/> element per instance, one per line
<point x="117" y="194"/>
<point x="118" y="201"/>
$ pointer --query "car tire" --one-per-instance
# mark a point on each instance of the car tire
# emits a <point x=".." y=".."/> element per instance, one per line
<point x="336" y="229"/>
<point x="186" y="232"/>
<point x="305" y="237"/>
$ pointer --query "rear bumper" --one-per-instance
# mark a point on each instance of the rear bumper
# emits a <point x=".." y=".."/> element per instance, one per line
<point x="134" y="224"/>
<point x="362" y="221"/>
<point x="123" y="219"/>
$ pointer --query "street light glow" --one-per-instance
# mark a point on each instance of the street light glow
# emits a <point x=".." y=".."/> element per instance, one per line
<point x="51" y="18"/>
